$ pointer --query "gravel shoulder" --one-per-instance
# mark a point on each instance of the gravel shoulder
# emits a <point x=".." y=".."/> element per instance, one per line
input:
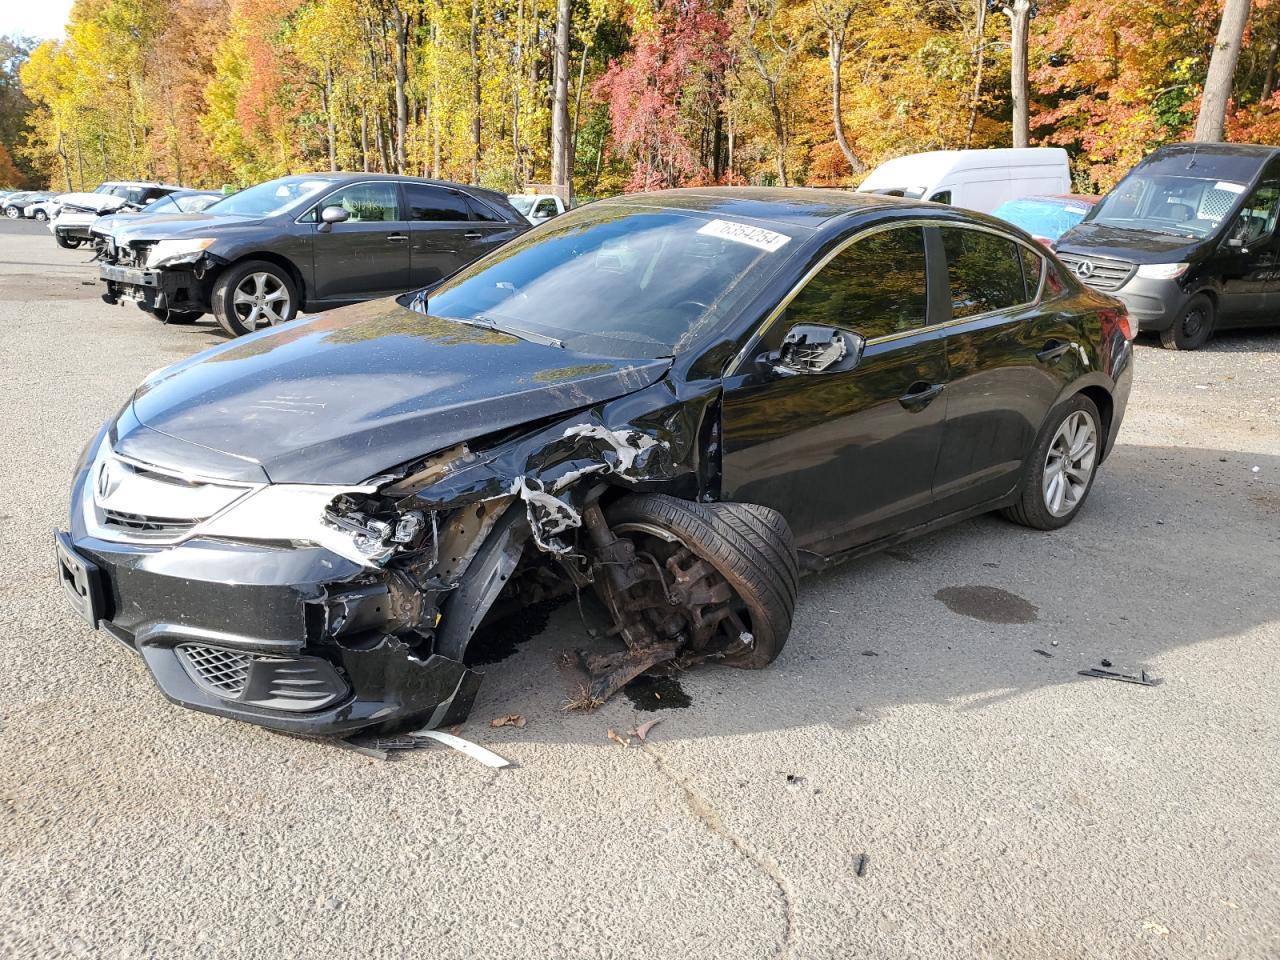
<point x="1005" y="805"/>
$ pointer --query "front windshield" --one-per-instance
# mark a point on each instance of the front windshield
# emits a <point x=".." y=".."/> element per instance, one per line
<point x="1178" y="206"/>
<point x="616" y="280"/>
<point x="267" y="199"/>
<point x="199" y="202"/>
<point x="522" y="204"/>
<point x="163" y="204"/>
<point x="1042" y="218"/>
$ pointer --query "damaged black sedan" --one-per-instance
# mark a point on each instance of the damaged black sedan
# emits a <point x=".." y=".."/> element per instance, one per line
<point x="676" y="401"/>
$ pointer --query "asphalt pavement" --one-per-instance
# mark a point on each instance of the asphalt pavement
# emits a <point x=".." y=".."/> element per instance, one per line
<point x="923" y="773"/>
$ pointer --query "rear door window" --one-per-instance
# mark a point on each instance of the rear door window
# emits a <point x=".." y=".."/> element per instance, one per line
<point x="434" y="204"/>
<point x="984" y="270"/>
<point x="877" y="286"/>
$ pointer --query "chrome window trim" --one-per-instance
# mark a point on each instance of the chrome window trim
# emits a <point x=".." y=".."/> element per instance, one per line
<point x="394" y="184"/>
<point x="736" y="364"/>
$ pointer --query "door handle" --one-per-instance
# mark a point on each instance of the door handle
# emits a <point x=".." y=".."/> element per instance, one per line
<point x="1053" y="351"/>
<point x="397" y="238"/>
<point x="475" y="235"/>
<point x="920" y="395"/>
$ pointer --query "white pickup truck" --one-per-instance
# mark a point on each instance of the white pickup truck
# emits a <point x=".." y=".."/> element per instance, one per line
<point x="538" y="207"/>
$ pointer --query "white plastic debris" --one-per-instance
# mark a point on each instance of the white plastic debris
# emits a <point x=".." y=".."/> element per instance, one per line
<point x="472" y="750"/>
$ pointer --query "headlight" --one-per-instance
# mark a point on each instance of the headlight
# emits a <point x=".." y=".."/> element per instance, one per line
<point x="129" y="502"/>
<point x="177" y="251"/>
<point x="1162" y="271"/>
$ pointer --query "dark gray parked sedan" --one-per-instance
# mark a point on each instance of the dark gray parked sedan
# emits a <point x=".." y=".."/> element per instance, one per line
<point x="307" y="242"/>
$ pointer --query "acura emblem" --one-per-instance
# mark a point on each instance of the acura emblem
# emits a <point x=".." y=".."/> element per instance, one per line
<point x="1084" y="269"/>
<point x="105" y="485"/>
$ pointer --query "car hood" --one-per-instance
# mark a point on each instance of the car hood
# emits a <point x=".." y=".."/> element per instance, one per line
<point x="92" y="202"/>
<point x="1137" y="246"/>
<point x="350" y="394"/>
<point x="172" y="226"/>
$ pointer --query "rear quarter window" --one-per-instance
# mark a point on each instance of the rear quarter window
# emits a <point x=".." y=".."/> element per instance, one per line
<point x="984" y="271"/>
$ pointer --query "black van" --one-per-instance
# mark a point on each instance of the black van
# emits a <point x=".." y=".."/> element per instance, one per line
<point x="1188" y="241"/>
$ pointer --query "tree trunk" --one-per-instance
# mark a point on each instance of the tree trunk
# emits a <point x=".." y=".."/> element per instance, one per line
<point x="1222" y="70"/>
<point x="1269" y="79"/>
<point x="66" y="161"/>
<point x="980" y="60"/>
<point x="517" y="73"/>
<point x="561" y="161"/>
<point x="717" y="139"/>
<point x="401" y="65"/>
<point x="474" y="48"/>
<point x="1019" y="14"/>
<point x="835" y="53"/>
<point x="779" y="132"/>
<point x="364" y="138"/>
<point x="330" y="129"/>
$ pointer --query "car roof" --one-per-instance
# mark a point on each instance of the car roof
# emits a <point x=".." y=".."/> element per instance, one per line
<point x="339" y="176"/>
<point x="799" y="206"/>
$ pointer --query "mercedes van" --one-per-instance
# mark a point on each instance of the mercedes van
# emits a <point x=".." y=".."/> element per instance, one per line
<point x="1188" y="241"/>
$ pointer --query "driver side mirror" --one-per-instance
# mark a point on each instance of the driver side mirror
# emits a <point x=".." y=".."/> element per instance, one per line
<point x="811" y="348"/>
<point x="331" y="215"/>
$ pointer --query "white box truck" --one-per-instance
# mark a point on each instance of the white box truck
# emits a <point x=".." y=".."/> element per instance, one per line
<point x="974" y="179"/>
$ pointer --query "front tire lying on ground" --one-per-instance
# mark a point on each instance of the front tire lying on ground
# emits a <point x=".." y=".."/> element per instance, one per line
<point x="253" y="294"/>
<point x="704" y="548"/>
<point x="165" y="315"/>
<point x="1059" y="472"/>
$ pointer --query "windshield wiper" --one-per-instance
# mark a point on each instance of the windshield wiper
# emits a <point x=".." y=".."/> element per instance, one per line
<point x="488" y="323"/>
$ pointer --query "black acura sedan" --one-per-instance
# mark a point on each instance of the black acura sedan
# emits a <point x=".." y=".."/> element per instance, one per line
<point x="676" y="401"/>
<point x="310" y="242"/>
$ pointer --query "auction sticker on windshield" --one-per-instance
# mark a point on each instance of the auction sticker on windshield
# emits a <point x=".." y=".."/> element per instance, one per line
<point x="757" y="237"/>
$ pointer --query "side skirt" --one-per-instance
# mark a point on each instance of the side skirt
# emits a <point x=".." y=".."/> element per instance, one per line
<point x="813" y="562"/>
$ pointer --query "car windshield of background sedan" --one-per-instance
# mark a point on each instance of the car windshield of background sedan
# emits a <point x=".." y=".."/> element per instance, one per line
<point x="1178" y="206"/>
<point x="617" y="281"/>
<point x="267" y="199"/>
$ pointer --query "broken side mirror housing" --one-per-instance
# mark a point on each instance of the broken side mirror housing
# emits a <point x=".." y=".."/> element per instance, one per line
<point x="811" y="348"/>
<point x="331" y="215"/>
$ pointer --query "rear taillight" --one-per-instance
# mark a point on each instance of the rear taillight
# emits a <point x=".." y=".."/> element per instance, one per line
<point x="1117" y="318"/>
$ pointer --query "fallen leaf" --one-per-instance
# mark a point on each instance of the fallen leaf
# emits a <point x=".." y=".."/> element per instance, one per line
<point x="613" y="735"/>
<point x="1158" y="928"/>
<point x="642" y="731"/>
<point x="456" y="730"/>
<point x="510" y="720"/>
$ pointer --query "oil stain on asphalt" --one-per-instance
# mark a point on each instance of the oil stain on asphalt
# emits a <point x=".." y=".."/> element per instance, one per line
<point x="989" y="604"/>
<point x="656" y="693"/>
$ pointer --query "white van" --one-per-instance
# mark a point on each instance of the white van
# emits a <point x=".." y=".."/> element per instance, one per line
<point x="974" y="179"/>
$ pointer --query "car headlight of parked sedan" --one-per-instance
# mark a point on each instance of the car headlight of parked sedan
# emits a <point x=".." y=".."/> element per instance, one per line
<point x="169" y="252"/>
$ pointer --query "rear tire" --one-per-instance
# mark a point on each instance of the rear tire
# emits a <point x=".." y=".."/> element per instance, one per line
<point x="67" y="243"/>
<point x="12" y="213"/>
<point x="748" y="545"/>
<point x="1193" y="326"/>
<point x="253" y="294"/>
<point x="1069" y="448"/>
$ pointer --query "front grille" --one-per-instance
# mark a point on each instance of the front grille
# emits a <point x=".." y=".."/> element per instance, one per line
<point x="1099" y="273"/>
<point x="143" y="526"/>
<point x="225" y="671"/>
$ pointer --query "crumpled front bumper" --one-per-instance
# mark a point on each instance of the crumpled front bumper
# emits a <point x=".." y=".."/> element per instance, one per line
<point x="267" y="634"/>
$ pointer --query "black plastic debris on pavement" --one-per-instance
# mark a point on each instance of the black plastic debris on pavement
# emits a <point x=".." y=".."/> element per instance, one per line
<point x="1043" y="653"/>
<point x="860" y="865"/>
<point x="1142" y="678"/>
